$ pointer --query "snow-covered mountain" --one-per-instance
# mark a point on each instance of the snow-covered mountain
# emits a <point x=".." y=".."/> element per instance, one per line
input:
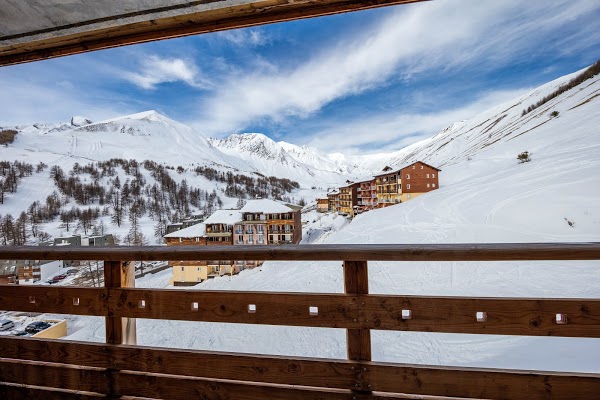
<point x="146" y="135"/>
<point x="281" y="159"/>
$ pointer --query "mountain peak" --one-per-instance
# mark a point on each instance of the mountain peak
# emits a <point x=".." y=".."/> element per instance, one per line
<point x="80" y="121"/>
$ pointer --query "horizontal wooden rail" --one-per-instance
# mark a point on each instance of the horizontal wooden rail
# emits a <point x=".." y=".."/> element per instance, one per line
<point x="229" y="369"/>
<point x="500" y="316"/>
<point x="293" y="309"/>
<point x="19" y="391"/>
<point x="322" y="252"/>
<point x="54" y="299"/>
<point x="55" y="375"/>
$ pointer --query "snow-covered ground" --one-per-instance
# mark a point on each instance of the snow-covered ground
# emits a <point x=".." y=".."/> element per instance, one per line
<point x="484" y="196"/>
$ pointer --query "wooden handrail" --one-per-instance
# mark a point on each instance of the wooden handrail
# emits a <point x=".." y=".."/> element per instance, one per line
<point x="355" y="312"/>
<point x="322" y="252"/>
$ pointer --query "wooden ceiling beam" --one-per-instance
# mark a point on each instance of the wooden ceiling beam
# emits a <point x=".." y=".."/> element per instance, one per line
<point x="62" y="42"/>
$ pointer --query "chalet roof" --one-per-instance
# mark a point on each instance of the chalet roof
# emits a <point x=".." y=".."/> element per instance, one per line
<point x="405" y="166"/>
<point x="266" y="206"/>
<point x="227" y="217"/>
<point x="193" y="231"/>
<point x="333" y="192"/>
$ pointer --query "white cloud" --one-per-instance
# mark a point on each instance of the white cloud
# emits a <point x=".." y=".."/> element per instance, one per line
<point x="250" y="37"/>
<point x="29" y="102"/>
<point x="412" y="39"/>
<point x="395" y="129"/>
<point x="156" y="70"/>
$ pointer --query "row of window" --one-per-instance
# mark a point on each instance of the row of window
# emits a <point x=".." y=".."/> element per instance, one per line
<point x="259" y="240"/>
<point x="250" y="230"/>
<point x="429" y="185"/>
<point x="432" y="176"/>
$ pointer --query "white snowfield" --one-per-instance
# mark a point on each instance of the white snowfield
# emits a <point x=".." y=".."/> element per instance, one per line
<point x="485" y="196"/>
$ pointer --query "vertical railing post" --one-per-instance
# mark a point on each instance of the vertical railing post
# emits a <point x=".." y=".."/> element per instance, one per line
<point x="358" y="341"/>
<point x="119" y="274"/>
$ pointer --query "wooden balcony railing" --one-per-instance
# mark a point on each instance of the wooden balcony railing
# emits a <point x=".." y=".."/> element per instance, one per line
<point x="60" y="369"/>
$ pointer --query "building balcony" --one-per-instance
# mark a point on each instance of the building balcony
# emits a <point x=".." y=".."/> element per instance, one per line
<point x="218" y="234"/>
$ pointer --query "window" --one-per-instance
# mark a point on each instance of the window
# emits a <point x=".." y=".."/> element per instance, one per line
<point x="240" y="239"/>
<point x="408" y="196"/>
<point x="407" y="176"/>
<point x="433" y="184"/>
<point x="260" y="229"/>
<point x="428" y="175"/>
<point x="421" y="167"/>
<point x="408" y="186"/>
<point x="428" y="185"/>
<point x="182" y="269"/>
<point x="198" y="269"/>
<point x="433" y="175"/>
<point x="180" y="240"/>
<point x="261" y="239"/>
<point x="197" y="239"/>
<point x="414" y="166"/>
<point x="250" y="239"/>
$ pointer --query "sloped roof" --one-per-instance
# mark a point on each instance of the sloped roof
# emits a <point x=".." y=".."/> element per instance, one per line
<point x="266" y="206"/>
<point x="227" y="217"/>
<point x="405" y="166"/>
<point x="193" y="231"/>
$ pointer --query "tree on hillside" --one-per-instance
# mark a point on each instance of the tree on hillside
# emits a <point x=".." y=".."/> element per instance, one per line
<point x="67" y="218"/>
<point x="524" y="157"/>
<point x="135" y="236"/>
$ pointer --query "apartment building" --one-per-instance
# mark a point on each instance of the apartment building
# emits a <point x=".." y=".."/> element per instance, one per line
<point x="259" y="222"/>
<point x="219" y="232"/>
<point x="188" y="273"/>
<point x="348" y="198"/>
<point x="366" y="194"/>
<point x="418" y="178"/>
<point x="391" y="186"/>
<point x="388" y="187"/>
<point x="323" y="205"/>
<point x="333" y="198"/>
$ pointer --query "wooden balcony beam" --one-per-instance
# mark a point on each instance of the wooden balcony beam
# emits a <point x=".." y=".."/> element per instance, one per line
<point x="321" y="252"/>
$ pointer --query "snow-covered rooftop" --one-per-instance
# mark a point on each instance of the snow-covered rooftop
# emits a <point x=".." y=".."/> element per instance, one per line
<point x="228" y="217"/>
<point x="197" y="230"/>
<point x="265" y="206"/>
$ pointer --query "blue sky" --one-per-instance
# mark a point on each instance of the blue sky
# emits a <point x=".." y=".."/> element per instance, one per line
<point x="356" y="83"/>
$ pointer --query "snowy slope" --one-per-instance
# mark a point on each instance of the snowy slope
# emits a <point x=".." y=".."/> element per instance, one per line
<point x="147" y="135"/>
<point x="484" y="196"/>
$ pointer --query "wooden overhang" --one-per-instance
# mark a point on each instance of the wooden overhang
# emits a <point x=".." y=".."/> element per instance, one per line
<point x="41" y="29"/>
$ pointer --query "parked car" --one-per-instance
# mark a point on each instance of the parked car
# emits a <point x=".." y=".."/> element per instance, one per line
<point x="21" y="333"/>
<point x="57" y="278"/>
<point x="36" y="327"/>
<point x="71" y="271"/>
<point x="6" y="324"/>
